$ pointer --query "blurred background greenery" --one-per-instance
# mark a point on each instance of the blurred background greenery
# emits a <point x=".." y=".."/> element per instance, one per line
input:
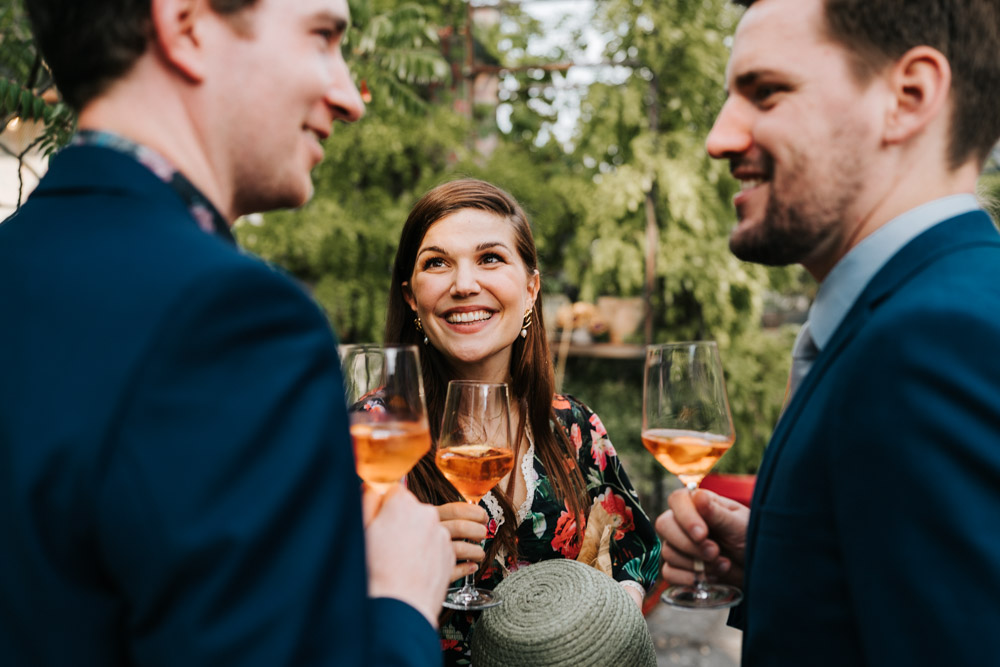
<point x="624" y="201"/>
<point x="635" y="154"/>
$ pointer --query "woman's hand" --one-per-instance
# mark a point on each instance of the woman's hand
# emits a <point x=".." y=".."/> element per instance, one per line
<point x="633" y="593"/>
<point x="465" y="522"/>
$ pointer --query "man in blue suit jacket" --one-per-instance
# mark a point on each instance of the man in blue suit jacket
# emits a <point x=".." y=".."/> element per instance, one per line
<point x="177" y="485"/>
<point x="857" y="129"/>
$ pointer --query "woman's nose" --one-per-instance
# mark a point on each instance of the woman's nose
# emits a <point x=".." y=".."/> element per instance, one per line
<point x="465" y="280"/>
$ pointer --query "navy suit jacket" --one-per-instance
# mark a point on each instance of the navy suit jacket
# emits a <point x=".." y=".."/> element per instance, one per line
<point x="177" y="485"/>
<point x="874" y="537"/>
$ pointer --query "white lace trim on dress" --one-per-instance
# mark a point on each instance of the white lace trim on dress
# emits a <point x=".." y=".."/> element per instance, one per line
<point x="530" y="485"/>
<point x="530" y="478"/>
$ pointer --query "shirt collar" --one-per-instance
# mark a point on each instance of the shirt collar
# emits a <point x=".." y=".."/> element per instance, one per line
<point x="844" y="284"/>
<point x="202" y="210"/>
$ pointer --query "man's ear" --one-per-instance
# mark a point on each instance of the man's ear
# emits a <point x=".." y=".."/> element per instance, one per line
<point x="920" y="84"/>
<point x="176" y="33"/>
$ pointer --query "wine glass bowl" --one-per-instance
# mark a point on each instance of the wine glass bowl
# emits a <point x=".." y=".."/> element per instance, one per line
<point x="386" y="409"/>
<point x="474" y="452"/>
<point x="687" y="426"/>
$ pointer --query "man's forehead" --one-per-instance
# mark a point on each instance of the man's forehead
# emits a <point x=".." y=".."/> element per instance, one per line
<point x="772" y="33"/>
<point x="337" y="8"/>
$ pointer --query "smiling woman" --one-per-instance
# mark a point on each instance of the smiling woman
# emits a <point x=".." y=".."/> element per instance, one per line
<point x="472" y="292"/>
<point x="465" y="288"/>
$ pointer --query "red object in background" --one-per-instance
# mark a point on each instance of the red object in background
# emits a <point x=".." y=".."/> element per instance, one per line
<point x="737" y="487"/>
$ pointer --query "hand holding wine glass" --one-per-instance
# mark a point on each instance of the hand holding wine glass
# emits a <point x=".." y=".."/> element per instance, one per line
<point x="687" y="426"/>
<point x="474" y="453"/>
<point x="385" y="399"/>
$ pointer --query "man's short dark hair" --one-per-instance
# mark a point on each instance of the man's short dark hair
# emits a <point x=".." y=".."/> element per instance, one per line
<point x="88" y="45"/>
<point x="967" y="32"/>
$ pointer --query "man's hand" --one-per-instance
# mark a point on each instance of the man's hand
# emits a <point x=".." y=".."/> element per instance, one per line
<point x="464" y="522"/>
<point x="707" y="526"/>
<point x="409" y="551"/>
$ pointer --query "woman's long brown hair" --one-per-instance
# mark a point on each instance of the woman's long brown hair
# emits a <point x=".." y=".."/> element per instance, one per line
<point x="532" y="380"/>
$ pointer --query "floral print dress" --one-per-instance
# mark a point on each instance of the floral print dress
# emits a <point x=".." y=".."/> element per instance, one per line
<point x="547" y="529"/>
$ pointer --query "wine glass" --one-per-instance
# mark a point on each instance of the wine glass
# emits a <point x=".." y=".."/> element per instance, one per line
<point x="687" y="426"/>
<point x="387" y="412"/>
<point x="474" y="452"/>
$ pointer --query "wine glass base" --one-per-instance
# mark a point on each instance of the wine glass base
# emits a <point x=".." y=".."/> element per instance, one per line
<point x="711" y="596"/>
<point x="470" y="598"/>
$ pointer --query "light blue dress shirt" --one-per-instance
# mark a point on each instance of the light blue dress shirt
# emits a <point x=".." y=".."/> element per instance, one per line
<point x="854" y="271"/>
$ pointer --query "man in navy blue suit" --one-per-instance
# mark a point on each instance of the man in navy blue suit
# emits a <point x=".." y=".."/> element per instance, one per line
<point x="857" y="130"/>
<point x="177" y="484"/>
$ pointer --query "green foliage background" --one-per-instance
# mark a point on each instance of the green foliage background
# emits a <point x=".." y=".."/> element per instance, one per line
<point x="24" y="80"/>
<point x="586" y="201"/>
<point x="636" y="139"/>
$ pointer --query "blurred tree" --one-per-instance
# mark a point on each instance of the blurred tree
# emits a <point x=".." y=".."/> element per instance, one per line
<point x="641" y="145"/>
<point x="989" y="185"/>
<point x="26" y="89"/>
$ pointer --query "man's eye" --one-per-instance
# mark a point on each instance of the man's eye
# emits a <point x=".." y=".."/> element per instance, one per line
<point x="764" y="93"/>
<point x="329" y="37"/>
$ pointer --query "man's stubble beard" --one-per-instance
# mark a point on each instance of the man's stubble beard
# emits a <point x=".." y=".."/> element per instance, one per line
<point x="792" y="231"/>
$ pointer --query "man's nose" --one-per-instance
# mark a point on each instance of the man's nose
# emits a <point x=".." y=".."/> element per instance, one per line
<point x="343" y="96"/>
<point x="730" y="134"/>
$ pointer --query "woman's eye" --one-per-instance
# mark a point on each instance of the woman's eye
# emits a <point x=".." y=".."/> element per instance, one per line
<point x="492" y="258"/>
<point x="432" y="262"/>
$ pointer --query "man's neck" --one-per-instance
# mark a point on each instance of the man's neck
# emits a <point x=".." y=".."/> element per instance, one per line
<point x="908" y="187"/>
<point x="139" y="109"/>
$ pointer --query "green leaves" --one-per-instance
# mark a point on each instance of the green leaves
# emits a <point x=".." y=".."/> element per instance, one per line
<point x="395" y="53"/>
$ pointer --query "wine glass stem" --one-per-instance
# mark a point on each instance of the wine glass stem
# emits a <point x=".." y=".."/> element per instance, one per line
<point x="700" y="583"/>
<point x="470" y="582"/>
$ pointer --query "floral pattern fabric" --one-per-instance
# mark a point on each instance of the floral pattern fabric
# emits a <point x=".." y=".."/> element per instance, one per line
<point x="548" y="528"/>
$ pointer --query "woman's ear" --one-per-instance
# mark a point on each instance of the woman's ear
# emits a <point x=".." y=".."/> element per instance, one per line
<point x="534" y="285"/>
<point x="408" y="295"/>
<point x="920" y="85"/>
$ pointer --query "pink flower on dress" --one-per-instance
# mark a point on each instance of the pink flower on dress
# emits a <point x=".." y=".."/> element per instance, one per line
<point x="601" y="449"/>
<point x="491" y="529"/>
<point x="598" y="431"/>
<point x="565" y="540"/>
<point x="615" y="505"/>
<point x="576" y="437"/>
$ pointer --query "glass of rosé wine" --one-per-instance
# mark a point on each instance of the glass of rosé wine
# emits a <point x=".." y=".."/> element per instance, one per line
<point x="387" y="411"/>
<point x="474" y="452"/>
<point x="687" y="427"/>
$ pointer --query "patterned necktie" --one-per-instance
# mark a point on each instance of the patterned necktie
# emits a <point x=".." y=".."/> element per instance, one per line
<point x="804" y="352"/>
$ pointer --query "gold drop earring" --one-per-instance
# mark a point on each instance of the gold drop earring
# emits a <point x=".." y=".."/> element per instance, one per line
<point x="420" y="327"/>
<point x="526" y="323"/>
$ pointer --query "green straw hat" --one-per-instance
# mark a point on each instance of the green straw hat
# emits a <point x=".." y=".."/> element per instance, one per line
<point x="561" y="613"/>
